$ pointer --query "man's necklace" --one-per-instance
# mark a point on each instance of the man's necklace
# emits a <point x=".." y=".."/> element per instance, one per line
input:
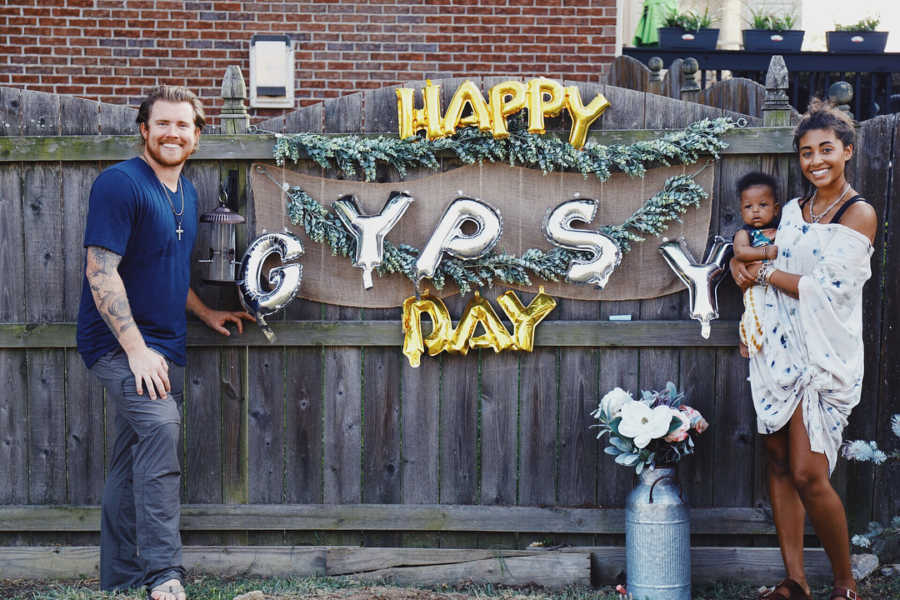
<point x="814" y="218"/>
<point x="180" y="188"/>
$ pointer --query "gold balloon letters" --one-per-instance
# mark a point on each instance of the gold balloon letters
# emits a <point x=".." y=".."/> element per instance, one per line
<point x="479" y="311"/>
<point x="542" y="97"/>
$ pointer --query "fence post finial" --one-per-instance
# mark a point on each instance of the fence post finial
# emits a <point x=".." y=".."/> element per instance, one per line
<point x="655" y="82"/>
<point x="234" y="115"/>
<point x="776" y="108"/>
<point x="690" y="89"/>
<point x="841" y="95"/>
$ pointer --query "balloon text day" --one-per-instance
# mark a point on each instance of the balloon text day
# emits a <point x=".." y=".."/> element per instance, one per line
<point x="542" y="97"/>
<point x="444" y="337"/>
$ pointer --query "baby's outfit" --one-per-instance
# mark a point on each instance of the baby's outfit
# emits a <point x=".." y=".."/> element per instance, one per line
<point x="751" y="323"/>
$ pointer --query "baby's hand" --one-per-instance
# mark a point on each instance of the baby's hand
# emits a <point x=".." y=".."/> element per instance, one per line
<point x="773" y="253"/>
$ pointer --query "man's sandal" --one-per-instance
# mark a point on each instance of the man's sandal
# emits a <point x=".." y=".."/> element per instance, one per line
<point x="795" y="589"/>
<point x="845" y="593"/>
<point x="172" y="586"/>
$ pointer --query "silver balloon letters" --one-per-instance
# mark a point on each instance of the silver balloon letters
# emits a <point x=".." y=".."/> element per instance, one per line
<point x="702" y="279"/>
<point x="449" y="237"/>
<point x="284" y="281"/>
<point x="369" y="230"/>
<point x="605" y="253"/>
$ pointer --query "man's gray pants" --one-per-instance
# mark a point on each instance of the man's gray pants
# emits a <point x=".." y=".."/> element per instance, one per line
<point x="140" y="543"/>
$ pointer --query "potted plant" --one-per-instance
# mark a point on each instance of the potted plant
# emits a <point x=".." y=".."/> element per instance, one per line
<point x="688" y="31"/>
<point x="771" y="33"/>
<point x="858" y="37"/>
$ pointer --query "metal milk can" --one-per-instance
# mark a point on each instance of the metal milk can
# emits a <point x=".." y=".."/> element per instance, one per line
<point x="657" y="538"/>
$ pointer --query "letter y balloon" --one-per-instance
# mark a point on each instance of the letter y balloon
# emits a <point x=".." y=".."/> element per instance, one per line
<point x="702" y="279"/>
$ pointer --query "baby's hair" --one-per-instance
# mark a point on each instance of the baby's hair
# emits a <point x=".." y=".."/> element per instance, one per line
<point x="824" y="115"/>
<point x="757" y="178"/>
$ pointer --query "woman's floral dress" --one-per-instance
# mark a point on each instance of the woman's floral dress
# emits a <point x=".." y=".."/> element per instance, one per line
<point x="812" y="351"/>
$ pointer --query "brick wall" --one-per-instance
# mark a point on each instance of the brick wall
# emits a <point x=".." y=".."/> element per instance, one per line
<point x="114" y="50"/>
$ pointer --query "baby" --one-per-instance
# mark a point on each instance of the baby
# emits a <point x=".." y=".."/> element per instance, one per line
<point x="755" y="242"/>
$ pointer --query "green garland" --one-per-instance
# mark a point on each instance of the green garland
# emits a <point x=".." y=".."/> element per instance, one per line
<point x="470" y="145"/>
<point x="351" y="153"/>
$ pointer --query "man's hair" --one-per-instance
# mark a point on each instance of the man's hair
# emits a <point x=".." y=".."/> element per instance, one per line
<point x="758" y="178"/>
<point x="172" y="93"/>
<point x="824" y="115"/>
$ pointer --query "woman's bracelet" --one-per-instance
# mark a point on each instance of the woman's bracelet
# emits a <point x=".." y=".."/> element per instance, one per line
<point x="764" y="275"/>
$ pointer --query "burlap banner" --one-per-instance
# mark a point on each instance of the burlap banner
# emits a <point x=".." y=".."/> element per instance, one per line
<point x="523" y="197"/>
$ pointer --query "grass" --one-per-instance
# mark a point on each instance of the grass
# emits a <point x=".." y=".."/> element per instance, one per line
<point x="329" y="588"/>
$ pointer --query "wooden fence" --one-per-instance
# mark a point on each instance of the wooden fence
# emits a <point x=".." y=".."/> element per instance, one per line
<point x="330" y="438"/>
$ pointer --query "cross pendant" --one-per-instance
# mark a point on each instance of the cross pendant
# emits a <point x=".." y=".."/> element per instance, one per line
<point x="179" y="231"/>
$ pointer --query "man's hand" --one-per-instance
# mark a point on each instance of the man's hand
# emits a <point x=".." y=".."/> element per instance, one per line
<point x="151" y="369"/>
<point x="744" y="274"/>
<point x="216" y="319"/>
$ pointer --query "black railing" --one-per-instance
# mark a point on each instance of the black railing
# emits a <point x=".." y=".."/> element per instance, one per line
<point x="871" y="75"/>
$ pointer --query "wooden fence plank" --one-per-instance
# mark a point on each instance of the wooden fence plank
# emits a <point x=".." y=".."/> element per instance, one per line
<point x="734" y="431"/>
<point x="708" y="564"/>
<point x="539" y="406"/>
<point x="266" y="432"/>
<point x="591" y="334"/>
<point x="202" y="480"/>
<point x="873" y="175"/>
<point x="47" y="426"/>
<point x="459" y="429"/>
<point x="550" y="570"/>
<point x="499" y="428"/>
<point x="618" y="368"/>
<point x="578" y="397"/>
<point x="84" y="433"/>
<point x="303" y="425"/>
<point x="78" y="116"/>
<point x="235" y="417"/>
<point x="458" y="440"/>
<point x="391" y="517"/>
<point x="14" y="430"/>
<point x="697" y="381"/>
<point x="119" y="120"/>
<point x="107" y="147"/>
<point x="343" y="427"/>
<point x="887" y="497"/>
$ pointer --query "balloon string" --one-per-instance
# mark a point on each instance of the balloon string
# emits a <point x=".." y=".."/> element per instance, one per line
<point x="703" y="168"/>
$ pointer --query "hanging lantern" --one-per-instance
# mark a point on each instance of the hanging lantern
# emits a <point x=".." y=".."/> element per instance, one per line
<point x="222" y="242"/>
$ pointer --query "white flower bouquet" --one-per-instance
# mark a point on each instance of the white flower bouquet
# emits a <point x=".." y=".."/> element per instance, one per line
<point x="655" y="430"/>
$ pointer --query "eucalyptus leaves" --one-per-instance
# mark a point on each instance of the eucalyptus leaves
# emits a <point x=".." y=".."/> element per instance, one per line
<point x="352" y="154"/>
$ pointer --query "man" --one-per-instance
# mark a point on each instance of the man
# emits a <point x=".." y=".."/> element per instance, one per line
<point x="141" y="226"/>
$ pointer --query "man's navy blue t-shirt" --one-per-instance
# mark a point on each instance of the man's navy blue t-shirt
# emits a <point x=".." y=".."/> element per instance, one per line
<point x="130" y="215"/>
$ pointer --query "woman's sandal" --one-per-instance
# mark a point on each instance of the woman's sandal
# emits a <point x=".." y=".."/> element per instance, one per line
<point x="846" y="593"/>
<point x="796" y="592"/>
<point x="172" y="586"/>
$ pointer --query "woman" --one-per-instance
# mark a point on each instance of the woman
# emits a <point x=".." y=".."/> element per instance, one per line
<point x="808" y="375"/>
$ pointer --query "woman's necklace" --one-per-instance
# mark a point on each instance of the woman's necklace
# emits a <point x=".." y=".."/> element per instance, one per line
<point x="814" y="218"/>
<point x="180" y="188"/>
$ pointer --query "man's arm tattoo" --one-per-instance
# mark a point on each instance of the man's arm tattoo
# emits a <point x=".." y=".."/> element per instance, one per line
<point x="108" y="289"/>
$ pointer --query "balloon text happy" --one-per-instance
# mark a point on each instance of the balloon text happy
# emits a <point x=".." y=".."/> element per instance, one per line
<point x="541" y="97"/>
